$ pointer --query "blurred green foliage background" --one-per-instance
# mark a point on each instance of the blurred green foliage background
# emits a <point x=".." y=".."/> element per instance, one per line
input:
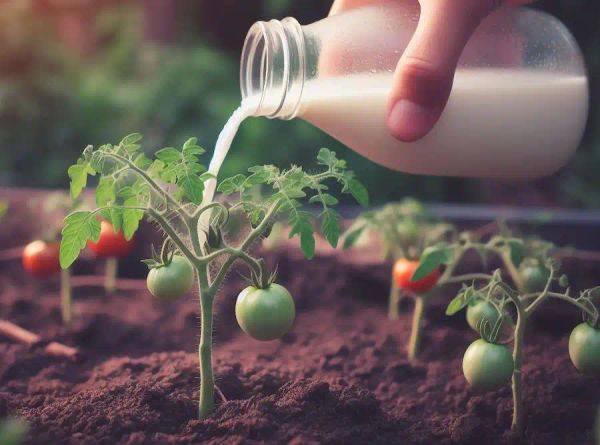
<point x="77" y="72"/>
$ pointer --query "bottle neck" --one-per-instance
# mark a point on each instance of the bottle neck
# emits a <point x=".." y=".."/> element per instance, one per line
<point x="273" y="68"/>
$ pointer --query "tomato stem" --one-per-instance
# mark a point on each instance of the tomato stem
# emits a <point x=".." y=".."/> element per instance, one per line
<point x="110" y="275"/>
<point x="513" y="272"/>
<point x="517" y="420"/>
<point x="394" y="300"/>
<point x="207" y="381"/>
<point x="66" y="299"/>
<point x="416" y="333"/>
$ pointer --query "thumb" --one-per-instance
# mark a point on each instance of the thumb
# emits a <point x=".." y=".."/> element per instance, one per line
<point x="424" y="75"/>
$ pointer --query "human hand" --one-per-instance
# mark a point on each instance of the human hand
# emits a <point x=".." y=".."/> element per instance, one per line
<point x="425" y="71"/>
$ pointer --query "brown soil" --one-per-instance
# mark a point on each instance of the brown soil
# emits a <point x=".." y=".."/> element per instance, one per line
<point x="340" y="377"/>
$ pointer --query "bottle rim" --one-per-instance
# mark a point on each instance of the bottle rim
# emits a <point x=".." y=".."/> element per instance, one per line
<point x="267" y="44"/>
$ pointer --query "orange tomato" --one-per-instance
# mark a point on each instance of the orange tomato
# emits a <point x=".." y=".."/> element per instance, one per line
<point x="403" y="272"/>
<point x="111" y="244"/>
<point x="41" y="259"/>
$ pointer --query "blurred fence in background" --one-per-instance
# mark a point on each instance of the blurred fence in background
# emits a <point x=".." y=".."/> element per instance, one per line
<point x="78" y="72"/>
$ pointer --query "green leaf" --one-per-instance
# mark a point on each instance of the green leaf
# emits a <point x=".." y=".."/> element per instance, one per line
<point x="432" y="258"/>
<point x="142" y="161"/>
<point x="517" y="250"/>
<point x="192" y="186"/>
<point x="191" y="147"/>
<point x="460" y="301"/>
<point x="455" y="305"/>
<point x="131" y="218"/>
<point x="79" y="227"/>
<point x="231" y="185"/>
<point x="131" y="139"/>
<point x="307" y="244"/>
<point x="155" y="170"/>
<point x="294" y="194"/>
<point x="331" y="226"/>
<point x="358" y="191"/>
<point x="326" y="157"/>
<point x="324" y="198"/>
<point x="301" y="223"/>
<point x="352" y="236"/>
<point x="168" y="155"/>
<point x="114" y="216"/>
<point x="563" y="281"/>
<point x="105" y="191"/>
<point x="258" y="178"/>
<point x="78" y="174"/>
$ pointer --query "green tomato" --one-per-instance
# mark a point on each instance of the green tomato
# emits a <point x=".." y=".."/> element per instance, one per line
<point x="487" y="366"/>
<point x="265" y="314"/>
<point x="534" y="278"/>
<point x="584" y="349"/>
<point x="483" y="310"/>
<point x="171" y="281"/>
<point x="408" y="231"/>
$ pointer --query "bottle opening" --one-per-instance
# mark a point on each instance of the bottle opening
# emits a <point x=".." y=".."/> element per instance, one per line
<point x="272" y="68"/>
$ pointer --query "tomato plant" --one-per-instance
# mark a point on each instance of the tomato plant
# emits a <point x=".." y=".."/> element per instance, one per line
<point x="169" y="189"/>
<point x="487" y="364"/>
<point x="405" y="231"/>
<point x="265" y="314"/>
<point x="40" y="257"/>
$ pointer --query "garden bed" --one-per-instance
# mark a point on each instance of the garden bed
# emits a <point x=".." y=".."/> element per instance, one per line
<point x="341" y="376"/>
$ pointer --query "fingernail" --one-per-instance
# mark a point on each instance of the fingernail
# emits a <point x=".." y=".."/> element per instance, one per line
<point x="409" y="121"/>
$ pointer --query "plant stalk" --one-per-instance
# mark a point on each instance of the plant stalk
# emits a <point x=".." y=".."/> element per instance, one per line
<point x="416" y="333"/>
<point x="66" y="298"/>
<point x="513" y="272"/>
<point x="394" y="300"/>
<point x="207" y="380"/>
<point x="517" y="420"/>
<point x="110" y="275"/>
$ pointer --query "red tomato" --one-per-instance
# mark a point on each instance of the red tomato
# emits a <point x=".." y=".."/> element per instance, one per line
<point x="41" y="259"/>
<point x="403" y="272"/>
<point x="111" y="244"/>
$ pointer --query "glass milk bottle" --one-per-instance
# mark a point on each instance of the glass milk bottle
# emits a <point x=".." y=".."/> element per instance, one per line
<point x="517" y="109"/>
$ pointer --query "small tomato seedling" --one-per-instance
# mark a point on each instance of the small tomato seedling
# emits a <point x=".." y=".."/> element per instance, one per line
<point x="486" y="365"/>
<point x="40" y="258"/>
<point x="169" y="188"/>
<point x="405" y="231"/>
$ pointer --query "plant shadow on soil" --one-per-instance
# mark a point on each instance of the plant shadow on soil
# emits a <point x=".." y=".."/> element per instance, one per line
<point x="340" y="377"/>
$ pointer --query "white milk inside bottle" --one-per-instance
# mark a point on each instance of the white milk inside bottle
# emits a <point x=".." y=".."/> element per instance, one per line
<point x="492" y="119"/>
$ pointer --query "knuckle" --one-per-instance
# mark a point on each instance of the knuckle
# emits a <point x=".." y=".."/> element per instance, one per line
<point x="424" y="81"/>
<point x="415" y="67"/>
